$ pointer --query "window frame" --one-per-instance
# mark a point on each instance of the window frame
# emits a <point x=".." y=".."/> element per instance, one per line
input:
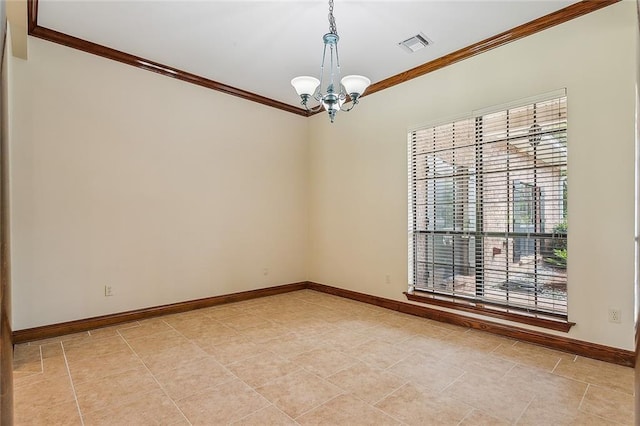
<point x="475" y="304"/>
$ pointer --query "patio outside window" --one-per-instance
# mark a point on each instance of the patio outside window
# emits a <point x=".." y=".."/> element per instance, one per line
<point x="488" y="217"/>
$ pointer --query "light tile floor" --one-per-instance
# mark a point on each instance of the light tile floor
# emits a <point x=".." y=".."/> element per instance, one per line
<point x="309" y="358"/>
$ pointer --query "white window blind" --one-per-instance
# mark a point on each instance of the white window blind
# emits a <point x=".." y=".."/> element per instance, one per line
<point x="488" y="217"/>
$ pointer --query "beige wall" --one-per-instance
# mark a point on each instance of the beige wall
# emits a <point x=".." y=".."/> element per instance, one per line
<point x="358" y="166"/>
<point x="163" y="190"/>
<point x="171" y="192"/>
<point x="6" y="92"/>
<point x="637" y="92"/>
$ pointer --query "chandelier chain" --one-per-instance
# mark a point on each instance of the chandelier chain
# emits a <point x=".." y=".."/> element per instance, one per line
<point x="332" y="20"/>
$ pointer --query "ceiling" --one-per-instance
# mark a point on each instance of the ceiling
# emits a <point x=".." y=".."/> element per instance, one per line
<point x="259" y="46"/>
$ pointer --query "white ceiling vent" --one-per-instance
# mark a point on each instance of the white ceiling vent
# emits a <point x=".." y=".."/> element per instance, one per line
<point x="415" y="43"/>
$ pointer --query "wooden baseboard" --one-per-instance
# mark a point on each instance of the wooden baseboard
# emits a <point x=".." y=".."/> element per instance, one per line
<point x="636" y="382"/>
<point x="578" y="347"/>
<point x="54" y="330"/>
<point x="6" y="363"/>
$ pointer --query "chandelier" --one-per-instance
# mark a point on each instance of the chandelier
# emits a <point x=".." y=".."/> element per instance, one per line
<point x="335" y="94"/>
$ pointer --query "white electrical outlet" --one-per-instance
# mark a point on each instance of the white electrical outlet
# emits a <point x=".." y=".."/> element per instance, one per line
<point x="615" y="315"/>
<point x="265" y="271"/>
<point x="108" y="290"/>
<point x="387" y="278"/>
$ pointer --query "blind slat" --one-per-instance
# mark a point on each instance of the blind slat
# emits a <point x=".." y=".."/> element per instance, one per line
<point x="488" y="199"/>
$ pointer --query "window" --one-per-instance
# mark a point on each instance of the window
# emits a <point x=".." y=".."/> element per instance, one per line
<point x="488" y="217"/>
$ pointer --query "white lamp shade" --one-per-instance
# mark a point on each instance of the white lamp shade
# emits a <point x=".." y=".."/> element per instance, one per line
<point x="305" y="85"/>
<point x="355" y="84"/>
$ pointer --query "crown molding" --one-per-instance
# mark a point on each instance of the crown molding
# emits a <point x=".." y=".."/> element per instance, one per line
<point x="54" y="36"/>
<point x="556" y="18"/>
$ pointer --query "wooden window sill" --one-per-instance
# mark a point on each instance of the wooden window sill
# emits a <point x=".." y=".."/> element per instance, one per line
<point x="509" y="314"/>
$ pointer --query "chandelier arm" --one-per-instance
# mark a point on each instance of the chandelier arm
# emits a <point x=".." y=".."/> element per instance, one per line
<point x="305" y="103"/>
<point x="353" y="104"/>
<point x="315" y="108"/>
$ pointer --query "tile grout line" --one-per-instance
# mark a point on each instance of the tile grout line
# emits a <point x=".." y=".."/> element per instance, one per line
<point x="319" y="405"/>
<point x="524" y="410"/>
<point x="154" y="378"/>
<point x="467" y="415"/>
<point x="584" y="382"/>
<point x="42" y="358"/>
<point x="411" y="353"/>
<point x="344" y="368"/>
<point x="73" y="388"/>
<point x="605" y="419"/>
<point x="515" y="364"/>
<point x="493" y="351"/>
<point x="473" y="407"/>
<point x="583" y="396"/>
<point x="388" y="394"/>
<point x="373" y="406"/>
<point x="264" y="408"/>
<point x="453" y="382"/>
<point x="593" y="414"/>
